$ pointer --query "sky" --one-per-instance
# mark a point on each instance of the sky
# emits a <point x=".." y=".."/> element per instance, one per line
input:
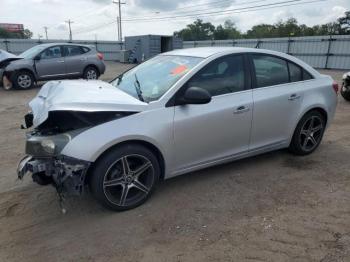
<point x="95" y="19"/>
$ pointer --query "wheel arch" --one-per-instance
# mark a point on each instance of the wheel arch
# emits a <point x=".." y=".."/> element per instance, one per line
<point x="94" y="66"/>
<point x="154" y="149"/>
<point x="319" y="109"/>
<point x="13" y="73"/>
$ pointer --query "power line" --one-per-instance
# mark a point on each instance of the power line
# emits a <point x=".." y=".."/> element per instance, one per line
<point x="213" y="12"/>
<point x="207" y="4"/>
<point x="187" y="7"/>
<point x="234" y="11"/>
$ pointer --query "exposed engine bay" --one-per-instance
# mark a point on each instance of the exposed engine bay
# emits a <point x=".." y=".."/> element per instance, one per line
<point x="61" y="111"/>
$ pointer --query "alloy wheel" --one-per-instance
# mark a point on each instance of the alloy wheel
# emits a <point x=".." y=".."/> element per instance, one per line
<point x="24" y="81"/>
<point x="128" y="180"/>
<point x="311" y="133"/>
<point x="91" y="74"/>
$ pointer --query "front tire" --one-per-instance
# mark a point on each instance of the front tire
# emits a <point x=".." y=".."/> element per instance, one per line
<point x="23" y="80"/>
<point x="308" y="133"/>
<point x="91" y="73"/>
<point x="125" y="177"/>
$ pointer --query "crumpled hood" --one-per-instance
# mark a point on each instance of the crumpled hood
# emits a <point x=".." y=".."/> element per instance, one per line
<point x="81" y="95"/>
<point x="7" y="57"/>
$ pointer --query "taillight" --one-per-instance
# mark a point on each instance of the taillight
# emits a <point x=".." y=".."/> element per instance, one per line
<point x="100" y="56"/>
<point x="335" y="87"/>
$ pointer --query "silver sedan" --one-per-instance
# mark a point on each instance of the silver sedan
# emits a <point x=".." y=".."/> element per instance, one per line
<point x="178" y="112"/>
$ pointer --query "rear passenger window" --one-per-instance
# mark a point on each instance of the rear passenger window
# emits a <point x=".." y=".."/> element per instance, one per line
<point x="295" y="72"/>
<point x="270" y="70"/>
<point x="306" y="75"/>
<point x="221" y="76"/>
<point x="73" y="50"/>
<point x="85" y="49"/>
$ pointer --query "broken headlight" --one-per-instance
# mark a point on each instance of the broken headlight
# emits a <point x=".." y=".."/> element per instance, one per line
<point x="49" y="146"/>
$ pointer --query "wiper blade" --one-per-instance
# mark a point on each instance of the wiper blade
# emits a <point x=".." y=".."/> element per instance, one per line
<point x="138" y="88"/>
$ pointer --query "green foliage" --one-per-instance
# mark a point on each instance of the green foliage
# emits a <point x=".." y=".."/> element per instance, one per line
<point x="26" y="34"/>
<point x="199" y="30"/>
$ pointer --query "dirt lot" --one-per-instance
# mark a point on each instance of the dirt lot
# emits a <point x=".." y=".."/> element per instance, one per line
<point x="274" y="207"/>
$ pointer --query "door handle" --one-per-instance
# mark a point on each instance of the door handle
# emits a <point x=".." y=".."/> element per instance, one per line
<point x="293" y="97"/>
<point x="241" y="109"/>
<point x="60" y="61"/>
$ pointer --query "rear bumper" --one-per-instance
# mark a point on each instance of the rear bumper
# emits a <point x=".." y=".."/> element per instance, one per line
<point x="102" y="67"/>
<point x="65" y="173"/>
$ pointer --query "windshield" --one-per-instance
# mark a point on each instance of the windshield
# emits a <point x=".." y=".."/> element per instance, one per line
<point x="32" y="52"/>
<point x="151" y="79"/>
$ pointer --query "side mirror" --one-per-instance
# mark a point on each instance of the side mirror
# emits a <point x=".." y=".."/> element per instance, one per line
<point x="37" y="57"/>
<point x="195" y="95"/>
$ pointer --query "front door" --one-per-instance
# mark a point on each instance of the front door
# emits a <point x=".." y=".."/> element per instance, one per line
<point x="51" y="63"/>
<point x="221" y="128"/>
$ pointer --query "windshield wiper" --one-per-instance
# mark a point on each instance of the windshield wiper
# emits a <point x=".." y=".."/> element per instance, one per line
<point x="138" y="88"/>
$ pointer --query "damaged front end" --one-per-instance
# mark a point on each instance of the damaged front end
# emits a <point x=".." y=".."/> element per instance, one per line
<point x="44" y="144"/>
<point x="61" y="111"/>
<point x="5" y="76"/>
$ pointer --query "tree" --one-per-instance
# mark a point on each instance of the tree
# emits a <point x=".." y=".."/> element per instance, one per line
<point x="344" y="23"/>
<point x="196" y="31"/>
<point x="290" y="27"/>
<point x="26" y="34"/>
<point x="228" y="31"/>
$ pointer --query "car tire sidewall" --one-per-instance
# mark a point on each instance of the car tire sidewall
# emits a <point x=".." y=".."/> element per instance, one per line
<point x="88" y="69"/>
<point x="345" y="94"/>
<point x="30" y="75"/>
<point x="100" y="168"/>
<point x="295" y="145"/>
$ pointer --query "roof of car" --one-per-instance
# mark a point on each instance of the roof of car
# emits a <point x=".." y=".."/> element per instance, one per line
<point x="54" y="44"/>
<point x="205" y="52"/>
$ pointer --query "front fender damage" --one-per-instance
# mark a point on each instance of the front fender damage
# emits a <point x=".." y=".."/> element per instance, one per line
<point x="66" y="174"/>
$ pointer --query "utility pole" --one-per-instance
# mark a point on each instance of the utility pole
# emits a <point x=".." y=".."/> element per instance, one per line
<point x="69" y="22"/>
<point x="119" y="19"/>
<point x="45" y="28"/>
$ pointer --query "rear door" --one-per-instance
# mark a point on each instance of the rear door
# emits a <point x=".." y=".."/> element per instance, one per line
<point x="221" y="128"/>
<point x="75" y="59"/>
<point x="51" y="63"/>
<point x="277" y="99"/>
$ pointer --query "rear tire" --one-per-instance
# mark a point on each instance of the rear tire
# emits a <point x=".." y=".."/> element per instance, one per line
<point x="91" y="73"/>
<point x="345" y="93"/>
<point x="124" y="177"/>
<point x="308" y="133"/>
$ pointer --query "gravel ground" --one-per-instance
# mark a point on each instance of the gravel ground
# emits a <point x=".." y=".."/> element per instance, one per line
<point x="273" y="207"/>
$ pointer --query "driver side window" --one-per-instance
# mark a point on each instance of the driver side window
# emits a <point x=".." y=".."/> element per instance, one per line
<point x="221" y="76"/>
<point x="51" y="52"/>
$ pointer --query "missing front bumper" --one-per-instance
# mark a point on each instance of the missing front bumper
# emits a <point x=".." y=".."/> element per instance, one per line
<point x="65" y="173"/>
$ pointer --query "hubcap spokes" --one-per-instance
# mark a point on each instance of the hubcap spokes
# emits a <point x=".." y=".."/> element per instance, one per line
<point x="311" y="133"/>
<point x="91" y="74"/>
<point x="128" y="180"/>
<point x="24" y="81"/>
